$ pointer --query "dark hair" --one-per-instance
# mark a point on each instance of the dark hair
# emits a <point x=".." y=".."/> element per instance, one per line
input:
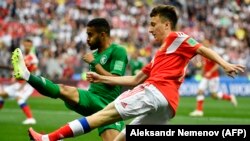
<point x="100" y="24"/>
<point x="166" y="12"/>
<point x="28" y="40"/>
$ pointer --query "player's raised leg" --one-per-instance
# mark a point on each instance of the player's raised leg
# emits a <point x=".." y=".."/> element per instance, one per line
<point x="42" y="85"/>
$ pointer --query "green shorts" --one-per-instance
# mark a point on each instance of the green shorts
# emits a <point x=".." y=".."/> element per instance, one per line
<point x="90" y="103"/>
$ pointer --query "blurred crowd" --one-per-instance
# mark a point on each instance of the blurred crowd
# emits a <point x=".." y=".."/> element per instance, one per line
<point x="57" y="29"/>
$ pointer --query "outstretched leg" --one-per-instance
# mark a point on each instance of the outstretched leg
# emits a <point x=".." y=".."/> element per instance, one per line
<point x="80" y="126"/>
<point x="41" y="84"/>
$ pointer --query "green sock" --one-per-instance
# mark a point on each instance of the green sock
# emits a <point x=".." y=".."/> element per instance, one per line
<point x="44" y="86"/>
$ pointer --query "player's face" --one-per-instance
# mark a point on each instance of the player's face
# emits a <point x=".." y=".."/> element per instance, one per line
<point x="158" y="28"/>
<point x="93" y="39"/>
<point x="27" y="46"/>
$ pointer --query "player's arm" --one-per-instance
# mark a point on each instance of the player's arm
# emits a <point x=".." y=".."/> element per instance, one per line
<point x="89" y="58"/>
<point x="230" y="69"/>
<point x="122" y="80"/>
<point x="99" y="69"/>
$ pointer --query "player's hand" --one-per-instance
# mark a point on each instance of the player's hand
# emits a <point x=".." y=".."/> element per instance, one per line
<point x="232" y="70"/>
<point x="208" y="74"/>
<point x="88" y="57"/>
<point x="93" y="77"/>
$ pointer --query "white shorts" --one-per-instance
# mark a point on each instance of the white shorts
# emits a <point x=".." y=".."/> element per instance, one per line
<point x="212" y="85"/>
<point x="14" y="90"/>
<point x="146" y="103"/>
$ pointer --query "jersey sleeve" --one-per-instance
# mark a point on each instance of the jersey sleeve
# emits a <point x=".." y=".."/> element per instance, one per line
<point x="120" y="61"/>
<point x="181" y="43"/>
<point x="189" y="47"/>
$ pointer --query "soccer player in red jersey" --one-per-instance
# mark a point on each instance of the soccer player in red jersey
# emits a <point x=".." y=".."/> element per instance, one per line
<point x="20" y="90"/>
<point x="155" y="98"/>
<point x="210" y="81"/>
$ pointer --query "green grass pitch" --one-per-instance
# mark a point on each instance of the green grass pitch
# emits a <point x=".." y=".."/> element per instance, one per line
<point x="51" y="114"/>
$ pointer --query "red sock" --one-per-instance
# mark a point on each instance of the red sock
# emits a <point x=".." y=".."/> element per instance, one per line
<point x="27" y="111"/>
<point x="226" y="97"/>
<point x="1" y="104"/>
<point x="200" y="105"/>
<point x="61" y="133"/>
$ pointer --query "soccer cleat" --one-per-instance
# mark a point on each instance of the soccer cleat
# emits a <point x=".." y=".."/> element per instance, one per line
<point x="234" y="100"/>
<point x="196" y="113"/>
<point x="20" y="69"/>
<point x="34" y="136"/>
<point x="29" y="121"/>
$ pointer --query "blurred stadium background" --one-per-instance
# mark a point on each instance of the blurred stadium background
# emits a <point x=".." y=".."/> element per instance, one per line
<point x="57" y="29"/>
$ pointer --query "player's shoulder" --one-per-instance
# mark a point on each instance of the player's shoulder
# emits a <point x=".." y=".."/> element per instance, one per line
<point x="118" y="47"/>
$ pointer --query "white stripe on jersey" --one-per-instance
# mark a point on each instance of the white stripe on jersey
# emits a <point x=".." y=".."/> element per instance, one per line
<point x="177" y="42"/>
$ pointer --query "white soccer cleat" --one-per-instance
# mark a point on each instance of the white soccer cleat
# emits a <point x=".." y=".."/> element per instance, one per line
<point x="196" y="113"/>
<point x="20" y="69"/>
<point x="29" y="121"/>
<point x="234" y="100"/>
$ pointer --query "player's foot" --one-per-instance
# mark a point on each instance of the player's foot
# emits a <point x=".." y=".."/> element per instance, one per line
<point x="29" y="121"/>
<point x="34" y="136"/>
<point x="196" y="113"/>
<point x="20" y="69"/>
<point x="234" y="100"/>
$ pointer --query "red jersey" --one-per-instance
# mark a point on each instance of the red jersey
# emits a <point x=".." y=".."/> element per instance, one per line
<point x="166" y="70"/>
<point x="31" y="62"/>
<point x="208" y="65"/>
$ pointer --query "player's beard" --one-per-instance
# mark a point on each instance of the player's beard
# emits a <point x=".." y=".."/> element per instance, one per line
<point x="96" y="44"/>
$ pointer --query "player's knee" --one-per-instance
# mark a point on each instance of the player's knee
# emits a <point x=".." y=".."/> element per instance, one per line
<point x="68" y="92"/>
<point x="120" y="137"/>
<point x="65" y="90"/>
<point x="109" y="134"/>
<point x="21" y="101"/>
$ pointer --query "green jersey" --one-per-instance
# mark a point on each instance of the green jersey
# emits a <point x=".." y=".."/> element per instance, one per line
<point x="114" y="60"/>
<point x="135" y="66"/>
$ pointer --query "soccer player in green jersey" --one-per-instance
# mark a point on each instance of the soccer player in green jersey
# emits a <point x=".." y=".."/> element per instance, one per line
<point x="107" y="58"/>
<point x="135" y="64"/>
